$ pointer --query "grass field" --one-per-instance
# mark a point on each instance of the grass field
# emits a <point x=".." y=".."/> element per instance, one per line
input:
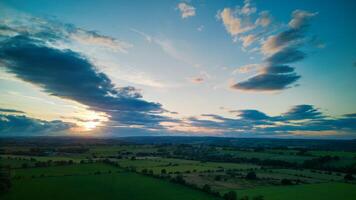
<point x="323" y="191"/>
<point x="118" y="185"/>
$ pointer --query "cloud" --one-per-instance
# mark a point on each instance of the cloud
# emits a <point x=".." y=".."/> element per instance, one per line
<point x="54" y="31"/>
<point x="278" y="69"/>
<point x="197" y="80"/>
<point x="243" y="23"/>
<point x="69" y="75"/>
<point x="147" y="37"/>
<point x="304" y="120"/>
<point x="285" y="56"/>
<point x="5" y="110"/>
<point x="281" y="49"/>
<point x="202" y="77"/>
<point x="251" y="114"/>
<point x="301" y="112"/>
<point x="248" y="8"/>
<point x="300" y="19"/>
<point x="246" y="68"/>
<point x="15" y="125"/>
<point x="234" y="23"/>
<point x="248" y="40"/>
<point x="200" y="28"/>
<point x="267" y="82"/>
<point x="264" y="19"/>
<point x="94" y="39"/>
<point x="186" y="10"/>
<point x="278" y="42"/>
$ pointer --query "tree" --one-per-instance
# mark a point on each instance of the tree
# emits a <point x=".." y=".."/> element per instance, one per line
<point x="207" y="188"/>
<point x="5" y="180"/>
<point x="163" y="171"/>
<point x="349" y="177"/>
<point x="24" y="165"/>
<point x="230" y="195"/>
<point x="251" y="176"/>
<point x="286" y="182"/>
<point x="179" y="179"/>
<point x="217" y="178"/>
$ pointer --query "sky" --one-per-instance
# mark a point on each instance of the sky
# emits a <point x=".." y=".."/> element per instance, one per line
<point x="248" y="68"/>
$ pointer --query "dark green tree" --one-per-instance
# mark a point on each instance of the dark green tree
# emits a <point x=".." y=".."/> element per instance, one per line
<point x="5" y="179"/>
<point x="251" y="176"/>
<point x="206" y="188"/>
<point x="230" y="195"/>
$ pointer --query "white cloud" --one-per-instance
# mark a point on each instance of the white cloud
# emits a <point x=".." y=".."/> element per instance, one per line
<point x="186" y="10"/>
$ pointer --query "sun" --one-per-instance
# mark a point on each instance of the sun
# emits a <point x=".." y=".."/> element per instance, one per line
<point x="90" y="125"/>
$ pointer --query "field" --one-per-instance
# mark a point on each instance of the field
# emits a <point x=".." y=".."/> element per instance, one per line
<point x="92" y="170"/>
<point x="314" y="191"/>
<point x="118" y="185"/>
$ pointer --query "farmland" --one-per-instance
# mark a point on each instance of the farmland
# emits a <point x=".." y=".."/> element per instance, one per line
<point x="189" y="170"/>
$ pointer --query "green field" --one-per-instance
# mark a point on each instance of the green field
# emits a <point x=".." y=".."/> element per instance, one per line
<point x="323" y="191"/>
<point x="117" y="185"/>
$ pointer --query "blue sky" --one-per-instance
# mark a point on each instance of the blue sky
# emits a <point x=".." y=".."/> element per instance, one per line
<point x="178" y="68"/>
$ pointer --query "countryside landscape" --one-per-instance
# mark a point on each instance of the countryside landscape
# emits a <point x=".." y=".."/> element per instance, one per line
<point x="178" y="100"/>
<point x="179" y="168"/>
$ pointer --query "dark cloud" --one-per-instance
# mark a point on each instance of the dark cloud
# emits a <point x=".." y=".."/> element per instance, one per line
<point x="278" y="69"/>
<point x="15" y="125"/>
<point x="301" y="112"/>
<point x="300" y="118"/>
<point x="252" y="115"/>
<point x="285" y="56"/>
<point x="281" y="49"/>
<point x="67" y="74"/>
<point x="267" y="82"/>
<point x="5" y="110"/>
